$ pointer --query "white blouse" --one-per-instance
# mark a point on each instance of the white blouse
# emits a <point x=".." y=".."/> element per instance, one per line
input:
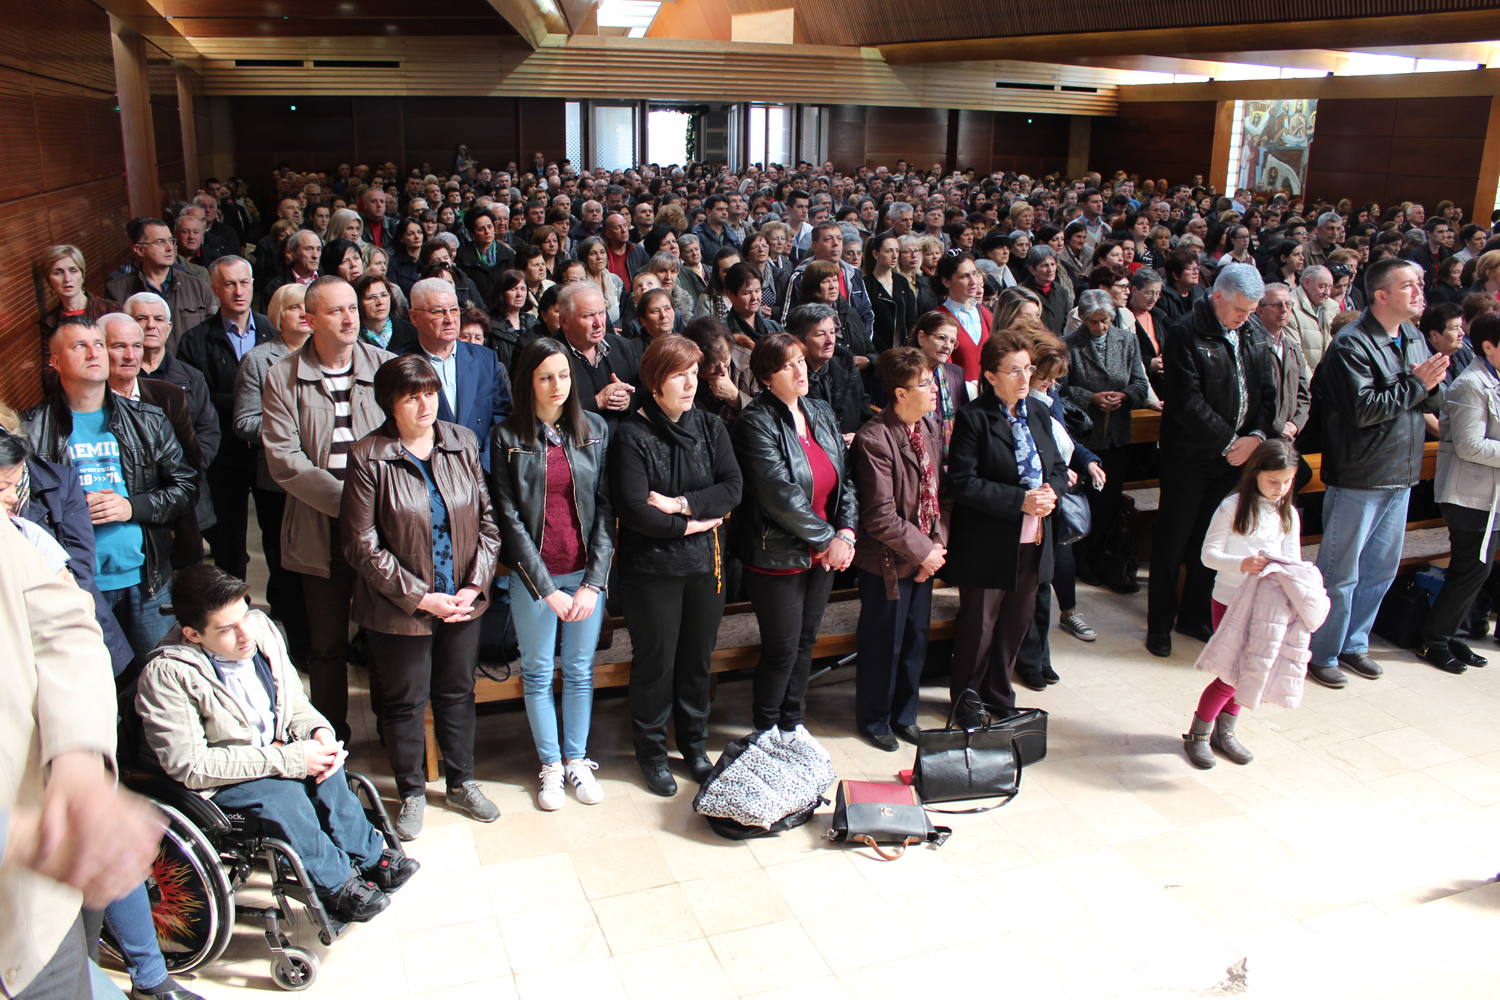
<point x="1223" y="549"/>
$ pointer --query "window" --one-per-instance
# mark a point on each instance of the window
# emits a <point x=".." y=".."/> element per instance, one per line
<point x="666" y="136"/>
<point x="1236" y="139"/>
<point x="573" y="126"/>
<point x="812" y="134"/>
<point x="614" y="137"/>
<point x="770" y="134"/>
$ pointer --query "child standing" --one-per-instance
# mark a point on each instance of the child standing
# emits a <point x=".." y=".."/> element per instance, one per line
<point x="1257" y="519"/>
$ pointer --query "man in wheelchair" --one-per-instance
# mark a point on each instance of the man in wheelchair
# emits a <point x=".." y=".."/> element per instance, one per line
<point x="224" y="711"/>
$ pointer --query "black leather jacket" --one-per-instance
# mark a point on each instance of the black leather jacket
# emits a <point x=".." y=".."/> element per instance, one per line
<point x="1202" y="398"/>
<point x="1369" y="408"/>
<point x="839" y="384"/>
<point x="518" y="489"/>
<point x="161" y="481"/>
<point x="775" y="526"/>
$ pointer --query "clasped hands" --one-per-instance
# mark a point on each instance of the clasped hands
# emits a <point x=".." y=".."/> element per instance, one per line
<point x="450" y="608"/>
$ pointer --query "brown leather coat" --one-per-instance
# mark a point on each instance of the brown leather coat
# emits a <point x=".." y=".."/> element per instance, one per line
<point x="888" y="482"/>
<point x="386" y="523"/>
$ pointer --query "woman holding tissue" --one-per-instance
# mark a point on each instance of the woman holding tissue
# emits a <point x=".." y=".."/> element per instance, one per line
<point x="1005" y="473"/>
<point x="418" y="529"/>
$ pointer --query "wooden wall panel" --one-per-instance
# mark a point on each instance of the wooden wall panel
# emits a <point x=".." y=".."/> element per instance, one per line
<point x="1035" y="145"/>
<point x="1391" y="150"/>
<point x="975" y="140"/>
<point x="541" y="127"/>
<point x="1160" y="139"/>
<point x="65" y="176"/>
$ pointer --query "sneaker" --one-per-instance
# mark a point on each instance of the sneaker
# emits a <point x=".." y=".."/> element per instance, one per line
<point x="471" y="799"/>
<point x="551" y="795"/>
<point x="392" y="871"/>
<point x="580" y="774"/>
<point x="356" y="901"/>
<point x="409" y="823"/>
<point x="801" y="735"/>
<point x="1073" y="624"/>
<point x="167" y="989"/>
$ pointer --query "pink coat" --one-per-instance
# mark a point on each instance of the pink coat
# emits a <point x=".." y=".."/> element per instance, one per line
<point x="1261" y="646"/>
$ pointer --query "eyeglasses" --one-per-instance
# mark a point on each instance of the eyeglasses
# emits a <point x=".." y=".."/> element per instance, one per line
<point x="453" y="311"/>
<point x="1026" y="372"/>
<point x="924" y="385"/>
<point x="164" y="242"/>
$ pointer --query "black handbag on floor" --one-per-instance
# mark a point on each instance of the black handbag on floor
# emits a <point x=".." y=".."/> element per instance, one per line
<point x="882" y="812"/>
<point x="985" y="761"/>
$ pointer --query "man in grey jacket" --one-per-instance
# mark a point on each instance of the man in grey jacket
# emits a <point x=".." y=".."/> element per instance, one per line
<point x="223" y="710"/>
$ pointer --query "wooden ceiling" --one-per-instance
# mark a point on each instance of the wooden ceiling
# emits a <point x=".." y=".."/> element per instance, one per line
<point x="332" y="19"/>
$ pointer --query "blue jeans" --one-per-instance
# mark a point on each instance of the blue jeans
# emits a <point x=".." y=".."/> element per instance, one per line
<point x="1361" y="550"/>
<point x="139" y="615"/>
<point x="129" y="919"/>
<point x="536" y="631"/>
<point x="324" y="823"/>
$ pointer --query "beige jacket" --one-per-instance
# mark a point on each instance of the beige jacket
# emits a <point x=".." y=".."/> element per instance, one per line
<point x="1311" y="324"/>
<point x="199" y="731"/>
<point x="297" y="431"/>
<point x="57" y="695"/>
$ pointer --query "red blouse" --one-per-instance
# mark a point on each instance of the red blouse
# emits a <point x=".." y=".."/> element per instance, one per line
<point x="562" y="535"/>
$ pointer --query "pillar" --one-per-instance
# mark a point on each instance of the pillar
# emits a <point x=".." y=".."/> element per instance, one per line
<point x="1080" y="132"/>
<point x="191" y="173"/>
<point x="1489" y="170"/>
<point x="1218" y="168"/>
<point x="134" y="91"/>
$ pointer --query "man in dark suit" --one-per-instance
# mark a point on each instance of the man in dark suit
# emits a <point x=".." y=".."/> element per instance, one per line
<point x="475" y="392"/>
<point x="215" y="348"/>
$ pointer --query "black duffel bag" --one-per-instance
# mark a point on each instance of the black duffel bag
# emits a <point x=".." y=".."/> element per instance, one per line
<point x="982" y="761"/>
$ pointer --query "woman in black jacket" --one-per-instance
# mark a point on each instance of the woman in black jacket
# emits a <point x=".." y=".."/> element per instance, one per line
<point x="794" y="528"/>
<point x="1005" y="474"/>
<point x="674" y="477"/>
<point x="892" y="296"/>
<point x="511" y="326"/>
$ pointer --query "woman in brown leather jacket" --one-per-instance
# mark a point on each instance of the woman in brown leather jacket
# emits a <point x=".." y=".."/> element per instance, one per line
<point x="903" y="537"/>
<point x="418" y="529"/>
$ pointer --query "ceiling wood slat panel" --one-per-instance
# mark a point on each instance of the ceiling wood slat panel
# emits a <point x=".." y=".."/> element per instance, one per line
<point x="197" y="28"/>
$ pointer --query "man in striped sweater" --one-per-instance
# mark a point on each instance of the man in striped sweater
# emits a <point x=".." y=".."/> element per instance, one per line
<point x="317" y="402"/>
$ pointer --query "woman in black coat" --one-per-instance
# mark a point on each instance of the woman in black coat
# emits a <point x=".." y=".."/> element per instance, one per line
<point x="892" y="296"/>
<point x="674" y="477"/>
<point x="793" y="530"/>
<point x="1005" y="474"/>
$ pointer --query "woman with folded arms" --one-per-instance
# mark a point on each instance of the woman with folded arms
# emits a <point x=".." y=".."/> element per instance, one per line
<point x="898" y="463"/>
<point x="1005" y="473"/>
<point x="674" y="477"/>
<point x="794" y="529"/>
<point x="418" y="530"/>
<point x="550" y="487"/>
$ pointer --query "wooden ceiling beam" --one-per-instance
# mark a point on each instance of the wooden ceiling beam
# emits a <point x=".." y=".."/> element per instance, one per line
<point x="341" y="27"/>
<point x="1350" y="33"/>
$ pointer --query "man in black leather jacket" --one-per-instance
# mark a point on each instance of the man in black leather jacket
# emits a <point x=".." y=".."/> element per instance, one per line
<point x="1220" y="404"/>
<point x="133" y="472"/>
<point x="1369" y="404"/>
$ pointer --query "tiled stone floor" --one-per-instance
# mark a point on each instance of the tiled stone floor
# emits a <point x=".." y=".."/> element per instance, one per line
<point x="1351" y="859"/>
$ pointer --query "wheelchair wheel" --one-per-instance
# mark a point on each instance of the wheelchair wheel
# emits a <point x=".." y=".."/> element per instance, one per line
<point x="305" y="963"/>
<point x="191" y="902"/>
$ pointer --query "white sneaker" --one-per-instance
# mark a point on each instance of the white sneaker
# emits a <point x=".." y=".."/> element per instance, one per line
<point x="551" y="796"/>
<point x="801" y="735"/>
<point x="580" y="774"/>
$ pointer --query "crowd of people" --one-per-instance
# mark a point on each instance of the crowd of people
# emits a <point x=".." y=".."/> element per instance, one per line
<point x="543" y="396"/>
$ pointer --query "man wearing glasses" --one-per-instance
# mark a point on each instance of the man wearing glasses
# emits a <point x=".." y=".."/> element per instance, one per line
<point x="474" y="392"/>
<point x="153" y="252"/>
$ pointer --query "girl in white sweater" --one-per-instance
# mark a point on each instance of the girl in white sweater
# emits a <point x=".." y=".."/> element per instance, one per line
<point x="1257" y="519"/>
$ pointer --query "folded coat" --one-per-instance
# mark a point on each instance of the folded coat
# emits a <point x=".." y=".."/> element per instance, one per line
<point x="1261" y="646"/>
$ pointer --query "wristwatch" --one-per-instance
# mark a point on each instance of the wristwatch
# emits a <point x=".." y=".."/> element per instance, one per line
<point x="682" y="505"/>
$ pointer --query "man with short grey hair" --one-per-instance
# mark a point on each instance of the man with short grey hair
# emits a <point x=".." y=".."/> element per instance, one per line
<point x="606" y="370"/>
<point x="1220" y="404"/>
<point x="1325" y="239"/>
<point x="475" y="393"/>
<point x="899" y="218"/>
<point x="1313" y="310"/>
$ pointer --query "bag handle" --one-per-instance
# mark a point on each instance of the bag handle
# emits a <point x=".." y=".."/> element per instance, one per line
<point x="961" y="700"/>
<point x="869" y="842"/>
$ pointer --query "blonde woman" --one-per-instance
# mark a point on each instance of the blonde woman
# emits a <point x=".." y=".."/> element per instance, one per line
<point x="61" y="270"/>
<point x="345" y="224"/>
<point x="377" y="261"/>
<point x="594" y="254"/>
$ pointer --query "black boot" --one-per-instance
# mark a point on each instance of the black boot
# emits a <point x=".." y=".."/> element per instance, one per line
<point x="658" y="777"/>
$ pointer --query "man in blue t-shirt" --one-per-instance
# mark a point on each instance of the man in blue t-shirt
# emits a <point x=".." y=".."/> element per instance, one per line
<point x="133" y="473"/>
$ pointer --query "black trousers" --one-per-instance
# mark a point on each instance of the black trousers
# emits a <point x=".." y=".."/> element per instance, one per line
<point x="416" y="669"/>
<point x="989" y="631"/>
<point x="327" y="601"/>
<point x="1190" y="493"/>
<point x="1104" y="505"/>
<point x="674" y="626"/>
<point x="892" y="644"/>
<point x="1466" y="575"/>
<point x="789" y="610"/>
<point x="230" y="479"/>
<point x="1035" y="654"/>
<point x="284" y="588"/>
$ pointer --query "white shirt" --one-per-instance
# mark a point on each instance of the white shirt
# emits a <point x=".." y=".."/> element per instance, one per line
<point x="253" y="698"/>
<point x="1223" y="549"/>
<point x="447" y="373"/>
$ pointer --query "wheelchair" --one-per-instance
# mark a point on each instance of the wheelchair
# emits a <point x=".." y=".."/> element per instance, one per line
<point x="207" y="855"/>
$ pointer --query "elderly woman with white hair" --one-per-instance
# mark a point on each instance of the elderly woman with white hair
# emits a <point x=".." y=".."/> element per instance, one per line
<point x="1107" y="378"/>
